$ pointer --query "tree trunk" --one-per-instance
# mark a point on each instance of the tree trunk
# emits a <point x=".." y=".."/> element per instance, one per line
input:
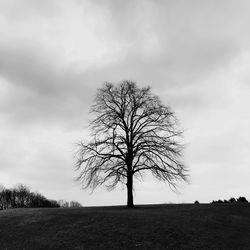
<point x="130" y="200"/>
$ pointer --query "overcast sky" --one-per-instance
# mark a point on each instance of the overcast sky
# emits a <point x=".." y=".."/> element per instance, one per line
<point x="195" y="55"/>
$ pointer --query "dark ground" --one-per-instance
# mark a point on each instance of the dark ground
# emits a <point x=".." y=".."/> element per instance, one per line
<point x="185" y="226"/>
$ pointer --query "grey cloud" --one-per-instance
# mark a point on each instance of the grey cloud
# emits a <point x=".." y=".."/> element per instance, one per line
<point x="185" y="56"/>
<point x="26" y="9"/>
<point x="180" y="48"/>
<point x="195" y="38"/>
<point x="40" y="91"/>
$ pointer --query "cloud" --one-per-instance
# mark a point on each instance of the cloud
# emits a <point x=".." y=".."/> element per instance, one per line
<point x="35" y="90"/>
<point x="60" y="52"/>
<point x="55" y="54"/>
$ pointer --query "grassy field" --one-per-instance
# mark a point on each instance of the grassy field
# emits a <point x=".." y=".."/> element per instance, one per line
<point x="187" y="226"/>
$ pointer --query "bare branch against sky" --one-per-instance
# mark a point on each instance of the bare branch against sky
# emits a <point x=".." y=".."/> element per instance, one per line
<point x="55" y="54"/>
<point x="132" y="132"/>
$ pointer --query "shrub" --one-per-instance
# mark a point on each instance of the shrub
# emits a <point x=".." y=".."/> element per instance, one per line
<point x="231" y="200"/>
<point x="242" y="199"/>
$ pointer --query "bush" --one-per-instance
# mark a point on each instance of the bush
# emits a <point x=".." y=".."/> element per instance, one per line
<point x="242" y="199"/>
<point x="75" y="204"/>
<point x="67" y="204"/>
<point x="196" y="202"/>
<point x="231" y="200"/>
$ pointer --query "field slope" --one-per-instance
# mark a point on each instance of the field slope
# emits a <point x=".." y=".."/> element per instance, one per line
<point x="194" y="226"/>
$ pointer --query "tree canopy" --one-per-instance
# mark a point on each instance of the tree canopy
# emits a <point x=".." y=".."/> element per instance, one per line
<point x="132" y="131"/>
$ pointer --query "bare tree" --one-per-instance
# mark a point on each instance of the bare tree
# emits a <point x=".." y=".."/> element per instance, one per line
<point x="2" y="197"/>
<point x="132" y="131"/>
<point x="75" y="204"/>
<point x="22" y="194"/>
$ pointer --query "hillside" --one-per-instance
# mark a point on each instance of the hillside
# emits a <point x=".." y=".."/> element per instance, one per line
<point x="187" y="226"/>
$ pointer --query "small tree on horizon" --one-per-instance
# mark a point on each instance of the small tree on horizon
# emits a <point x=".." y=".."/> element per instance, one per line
<point x="132" y="132"/>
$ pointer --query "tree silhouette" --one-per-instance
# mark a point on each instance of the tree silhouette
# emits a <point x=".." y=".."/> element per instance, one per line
<point x="132" y="131"/>
<point x="20" y="196"/>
